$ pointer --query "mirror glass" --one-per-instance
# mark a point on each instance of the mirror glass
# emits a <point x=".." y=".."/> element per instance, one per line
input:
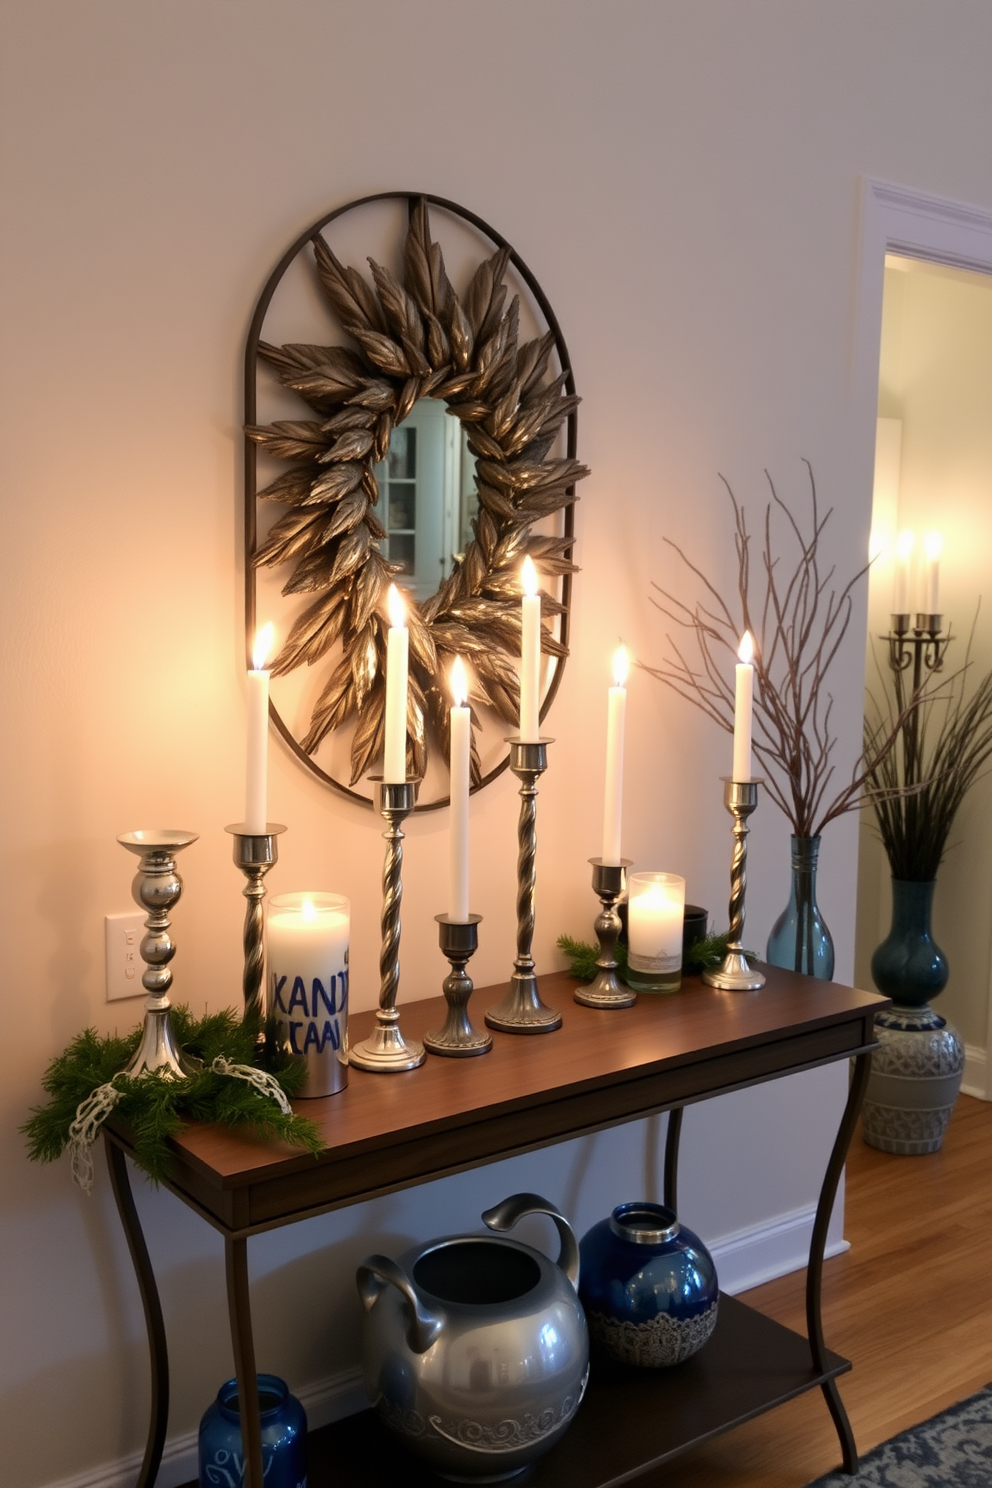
<point x="410" y="417"/>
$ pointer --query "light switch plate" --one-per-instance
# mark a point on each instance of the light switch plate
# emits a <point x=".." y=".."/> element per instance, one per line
<point x="123" y="934"/>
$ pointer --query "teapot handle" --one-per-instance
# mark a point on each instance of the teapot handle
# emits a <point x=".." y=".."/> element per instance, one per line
<point x="504" y="1216"/>
<point x="375" y="1272"/>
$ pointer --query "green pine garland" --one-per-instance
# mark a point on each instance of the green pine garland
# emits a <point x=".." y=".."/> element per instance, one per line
<point x="583" y="957"/>
<point x="155" y="1107"/>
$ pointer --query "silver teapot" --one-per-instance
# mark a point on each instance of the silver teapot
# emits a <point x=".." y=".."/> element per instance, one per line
<point x="475" y="1350"/>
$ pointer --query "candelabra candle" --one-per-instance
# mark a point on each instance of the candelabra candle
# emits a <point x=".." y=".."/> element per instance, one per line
<point x="385" y="1051"/>
<point x="254" y="853"/>
<point x="156" y="888"/>
<point x="458" y="1039"/>
<point x="521" y="1010"/>
<point x="734" y="974"/>
<point x="609" y="882"/>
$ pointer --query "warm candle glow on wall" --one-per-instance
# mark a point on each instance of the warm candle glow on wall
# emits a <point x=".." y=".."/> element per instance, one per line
<point x="257" y="736"/>
<point x="530" y="654"/>
<point x="397" y="670"/>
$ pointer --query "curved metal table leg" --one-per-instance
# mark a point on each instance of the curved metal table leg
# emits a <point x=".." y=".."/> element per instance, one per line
<point x="239" y="1308"/>
<point x="814" y="1271"/>
<point x="154" y="1322"/>
<point x="672" y="1136"/>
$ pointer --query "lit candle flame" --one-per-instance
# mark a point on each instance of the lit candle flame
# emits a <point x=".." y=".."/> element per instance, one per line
<point x="396" y="607"/>
<point x="307" y="910"/>
<point x="746" y="648"/>
<point x="262" y="647"/>
<point x="459" y="683"/>
<point x="933" y="545"/>
<point x="621" y="666"/>
<point x="528" y="575"/>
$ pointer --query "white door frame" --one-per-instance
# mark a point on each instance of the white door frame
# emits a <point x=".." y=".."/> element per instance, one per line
<point x="896" y="219"/>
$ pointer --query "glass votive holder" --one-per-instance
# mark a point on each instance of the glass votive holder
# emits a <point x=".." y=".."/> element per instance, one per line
<point x="307" y="956"/>
<point x="655" y="911"/>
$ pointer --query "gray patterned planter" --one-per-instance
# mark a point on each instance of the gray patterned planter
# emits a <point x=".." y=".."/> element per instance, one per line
<point x="915" y="1078"/>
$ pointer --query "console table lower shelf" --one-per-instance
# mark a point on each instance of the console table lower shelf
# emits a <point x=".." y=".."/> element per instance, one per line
<point x="631" y="1420"/>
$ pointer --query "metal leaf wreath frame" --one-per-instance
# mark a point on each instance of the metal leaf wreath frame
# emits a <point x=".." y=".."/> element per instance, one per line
<point x="412" y="340"/>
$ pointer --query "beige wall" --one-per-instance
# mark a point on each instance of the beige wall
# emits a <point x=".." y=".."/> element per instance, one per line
<point x="684" y="180"/>
<point x="935" y="377"/>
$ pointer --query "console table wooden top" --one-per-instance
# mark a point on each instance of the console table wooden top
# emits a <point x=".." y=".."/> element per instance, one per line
<point x="389" y="1131"/>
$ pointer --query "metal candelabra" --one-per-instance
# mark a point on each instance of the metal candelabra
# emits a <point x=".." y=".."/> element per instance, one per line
<point x="609" y="882"/>
<point x="521" y="1010"/>
<point x="734" y="974"/>
<point x="385" y="1051"/>
<point x="254" y="853"/>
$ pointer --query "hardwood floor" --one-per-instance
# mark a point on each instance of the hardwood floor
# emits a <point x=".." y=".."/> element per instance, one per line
<point x="910" y="1304"/>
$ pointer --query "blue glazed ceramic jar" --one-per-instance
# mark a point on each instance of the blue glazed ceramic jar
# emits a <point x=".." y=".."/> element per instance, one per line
<point x="284" y="1437"/>
<point x="648" y="1286"/>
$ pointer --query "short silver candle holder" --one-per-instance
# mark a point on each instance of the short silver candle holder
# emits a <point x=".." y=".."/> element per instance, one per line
<point x="385" y="1051"/>
<point x="734" y="974"/>
<point x="521" y="1010"/>
<point x="156" y="888"/>
<point x="459" y="941"/>
<point x="254" y="853"/>
<point x="609" y="882"/>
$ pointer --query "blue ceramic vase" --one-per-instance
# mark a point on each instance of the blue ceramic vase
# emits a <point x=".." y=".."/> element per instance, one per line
<point x="284" y="1438"/>
<point x="648" y="1286"/>
<point x="909" y="965"/>
<point x="800" y="939"/>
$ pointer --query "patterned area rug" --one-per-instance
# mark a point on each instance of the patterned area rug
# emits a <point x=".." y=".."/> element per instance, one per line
<point x="952" y="1450"/>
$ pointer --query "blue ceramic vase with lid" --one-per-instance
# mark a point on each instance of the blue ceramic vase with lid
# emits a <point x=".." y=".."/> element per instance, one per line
<point x="284" y="1437"/>
<point x="648" y="1286"/>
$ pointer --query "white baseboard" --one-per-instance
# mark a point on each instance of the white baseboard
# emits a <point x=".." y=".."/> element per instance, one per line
<point x="976" y="1079"/>
<point x="744" y="1259"/>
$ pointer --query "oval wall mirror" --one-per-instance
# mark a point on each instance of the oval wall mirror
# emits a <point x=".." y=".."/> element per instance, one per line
<point x="414" y="423"/>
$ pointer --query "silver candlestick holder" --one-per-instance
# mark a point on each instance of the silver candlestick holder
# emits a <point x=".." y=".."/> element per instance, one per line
<point x="609" y="881"/>
<point x="521" y="1010"/>
<point x="156" y="888"/>
<point x="254" y="853"/>
<point x="734" y="974"/>
<point x="458" y="1039"/>
<point x="385" y="1050"/>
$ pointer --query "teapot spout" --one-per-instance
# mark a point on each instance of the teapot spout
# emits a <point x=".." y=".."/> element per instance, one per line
<point x="507" y="1214"/>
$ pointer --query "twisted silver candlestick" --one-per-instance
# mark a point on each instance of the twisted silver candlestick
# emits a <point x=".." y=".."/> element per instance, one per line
<point x="156" y="888"/>
<point x="734" y="974"/>
<point x="254" y="854"/>
<point x="521" y="1010"/>
<point x="385" y="1049"/>
<point x="458" y="1039"/>
<point x="609" y="881"/>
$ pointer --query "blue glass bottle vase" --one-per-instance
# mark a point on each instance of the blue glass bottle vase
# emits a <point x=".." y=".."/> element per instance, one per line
<point x="284" y="1438"/>
<point x="648" y="1286"/>
<point x="909" y="965"/>
<point x="800" y="939"/>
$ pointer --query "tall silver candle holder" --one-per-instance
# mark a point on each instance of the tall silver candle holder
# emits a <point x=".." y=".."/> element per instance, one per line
<point x="156" y="888"/>
<point x="609" y="882"/>
<point x="459" y="941"/>
<point x="521" y="1010"/>
<point x="385" y="1050"/>
<point x="254" y="853"/>
<point x="734" y="974"/>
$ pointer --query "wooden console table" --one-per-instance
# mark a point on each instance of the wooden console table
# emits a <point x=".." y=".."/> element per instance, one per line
<point x="390" y="1132"/>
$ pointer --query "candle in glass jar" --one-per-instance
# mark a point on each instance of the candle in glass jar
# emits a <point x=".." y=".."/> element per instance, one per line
<point x="397" y="671"/>
<point x="307" y="954"/>
<point x="256" y="764"/>
<point x="530" y="655"/>
<point x="933" y="545"/>
<point x="460" y="749"/>
<point x="655" y="912"/>
<point x="743" y="698"/>
<point x="613" y="795"/>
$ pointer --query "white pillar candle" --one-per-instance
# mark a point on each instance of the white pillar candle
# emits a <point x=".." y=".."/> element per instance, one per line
<point x="307" y="953"/>
<point x="933" y="545"/>
<point x="613" y="795"/>
<point x="460" y="720"/>
<point x="256" y="764"/>
<point x="655" y="912"/>
<point x="530" y="655"/>
<point x="397" y="669"/>
<point x="904" y="559"/>
<point x="743" y="698"/>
